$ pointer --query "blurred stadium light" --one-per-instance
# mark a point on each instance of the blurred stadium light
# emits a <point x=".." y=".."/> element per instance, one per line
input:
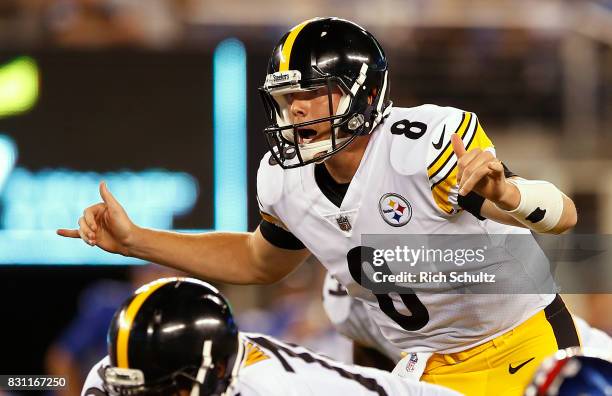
<point x="35" y="204"/>
<point x="8" y="157"/>
<point x="229" y="119"/>
<point x="18" y="86"/>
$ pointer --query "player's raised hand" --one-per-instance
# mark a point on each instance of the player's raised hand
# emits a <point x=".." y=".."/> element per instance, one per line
<point x="105" y="224"/>
<point x="481" y="172"/>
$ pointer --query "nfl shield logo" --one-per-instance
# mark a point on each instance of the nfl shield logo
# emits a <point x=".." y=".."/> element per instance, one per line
<point x="343" y="223"/>
<point x="412" y="362"/>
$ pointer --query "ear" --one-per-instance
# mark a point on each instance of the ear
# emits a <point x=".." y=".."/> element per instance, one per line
<point x="373" y="94"/>
<point x="221" y="368"/>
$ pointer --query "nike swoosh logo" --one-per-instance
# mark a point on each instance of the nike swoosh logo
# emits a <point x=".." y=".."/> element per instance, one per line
<point x="513" y="370"/>
<point x="438" y="145"/>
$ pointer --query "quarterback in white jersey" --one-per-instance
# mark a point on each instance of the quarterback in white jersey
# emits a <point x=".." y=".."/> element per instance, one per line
<point x="270" y="367"/>
<point x="422" y="201"/>
<point x="425" y="170"/>
<point x="345" y="163"/>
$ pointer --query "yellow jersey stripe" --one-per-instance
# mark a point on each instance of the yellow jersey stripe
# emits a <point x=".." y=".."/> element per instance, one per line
<point x="478" y="137"/>
<point x="441" y="190"/>
<point x="449" y="143"/>
<point x="448" y="151"/>
<point x="126" y="319"/>
<point x="288" y="45"/>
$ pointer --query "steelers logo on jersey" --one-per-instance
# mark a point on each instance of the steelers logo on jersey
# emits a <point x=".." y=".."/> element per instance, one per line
<point x="395" y="209"/>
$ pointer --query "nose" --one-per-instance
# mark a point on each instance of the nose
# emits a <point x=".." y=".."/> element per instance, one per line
<point x="298" y="107"/>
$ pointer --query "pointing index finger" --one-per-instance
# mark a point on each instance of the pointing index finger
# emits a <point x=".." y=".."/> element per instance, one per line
<point x="68" y="233"/>
<point x="458" y="146"/>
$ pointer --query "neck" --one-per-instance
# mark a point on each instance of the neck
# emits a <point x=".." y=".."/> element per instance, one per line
<point x="343" y="165"/>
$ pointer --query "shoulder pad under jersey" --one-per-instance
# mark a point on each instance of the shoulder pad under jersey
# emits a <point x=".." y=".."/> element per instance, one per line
<point x="417" y="131"/>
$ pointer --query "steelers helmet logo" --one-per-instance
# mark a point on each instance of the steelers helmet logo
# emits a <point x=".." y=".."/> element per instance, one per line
<point x="395" y="209"/>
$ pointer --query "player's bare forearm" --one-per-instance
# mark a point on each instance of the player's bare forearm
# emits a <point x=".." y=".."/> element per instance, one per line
<point x="228" y="257"/>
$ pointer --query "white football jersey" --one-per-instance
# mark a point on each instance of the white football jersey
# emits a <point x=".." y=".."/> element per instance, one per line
<point x="350" y="318"/>
<point x="593" y="338"/>
<point x="271" y="367"/>
<point x="406" y="184"/>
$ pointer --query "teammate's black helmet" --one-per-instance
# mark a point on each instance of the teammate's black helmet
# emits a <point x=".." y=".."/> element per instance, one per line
<point x="172" y="334"/>
<point x="317" y="53"/>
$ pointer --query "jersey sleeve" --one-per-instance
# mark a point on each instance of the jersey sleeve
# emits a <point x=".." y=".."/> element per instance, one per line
<point x="94" y="385"/>
<point x="299" y="371"/>
<point x="279" y="237"/>
<point x="442" y="161"/>
<point x="269" y="192"/>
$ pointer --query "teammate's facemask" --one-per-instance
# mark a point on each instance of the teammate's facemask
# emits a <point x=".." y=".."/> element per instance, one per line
<point x="210" y="380"/>
<point x="334" y="55"/>
<point x="175" y="336"/>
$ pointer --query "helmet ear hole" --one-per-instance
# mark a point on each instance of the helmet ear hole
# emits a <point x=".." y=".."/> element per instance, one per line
<point x="373" y="93"/>
<point x="220" y="370"/>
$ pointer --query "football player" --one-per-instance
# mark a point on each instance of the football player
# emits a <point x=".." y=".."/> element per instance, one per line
<point x="350" y="318"/>
<point x="177" y="336"/>
<point x="344" y="162"/>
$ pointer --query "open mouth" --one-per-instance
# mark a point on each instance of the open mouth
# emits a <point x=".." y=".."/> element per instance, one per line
<point x="306" y="135"/>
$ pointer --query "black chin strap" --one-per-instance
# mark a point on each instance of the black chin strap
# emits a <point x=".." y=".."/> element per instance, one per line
<point x="331" y="113"/>
<point x="369" y="114"/>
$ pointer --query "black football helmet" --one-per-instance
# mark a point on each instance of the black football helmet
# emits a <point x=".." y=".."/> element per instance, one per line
<point x="172" y="335"/>
<point x="328" y="53"/>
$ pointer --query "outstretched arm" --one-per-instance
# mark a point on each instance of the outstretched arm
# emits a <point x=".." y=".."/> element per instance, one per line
<point x="228" y="257"/>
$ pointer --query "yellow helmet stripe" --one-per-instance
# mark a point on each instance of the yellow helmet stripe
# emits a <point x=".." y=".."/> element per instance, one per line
<point x="288" y="45"/>
<point x="126" y="319"/>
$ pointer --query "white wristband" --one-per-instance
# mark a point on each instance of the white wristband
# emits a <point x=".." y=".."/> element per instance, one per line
<point x="541" y="204"/>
